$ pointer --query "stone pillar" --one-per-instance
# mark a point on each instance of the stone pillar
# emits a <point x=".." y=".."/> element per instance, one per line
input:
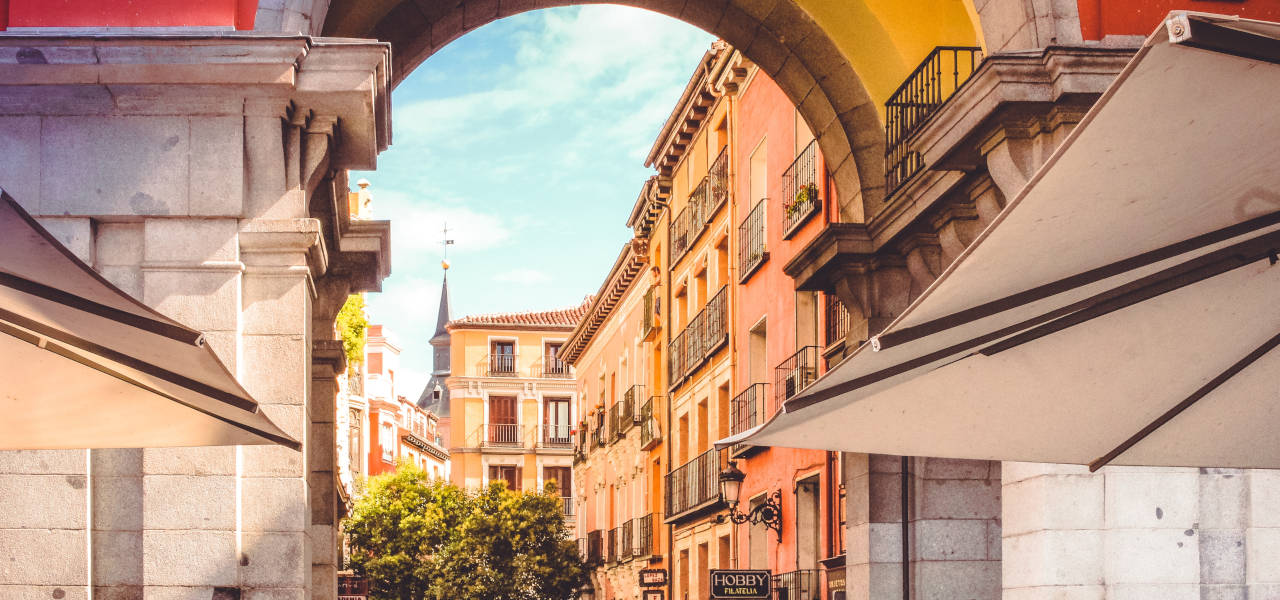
<point x="42" y="525"/>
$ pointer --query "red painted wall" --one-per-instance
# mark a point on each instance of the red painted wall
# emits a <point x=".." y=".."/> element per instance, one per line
<point x="1100" y="18"/>
<point x="128" y="13"/>
<point x="765" y="113"/>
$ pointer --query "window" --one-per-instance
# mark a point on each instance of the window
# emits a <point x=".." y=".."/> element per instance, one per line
<point x="507" y="473"/>
<point x="552" y="365"/>
<point x="562" y="477"/>
<point x="388" y="441"/>
<point x="502" y="357"/>
<point x="375" y="363"/>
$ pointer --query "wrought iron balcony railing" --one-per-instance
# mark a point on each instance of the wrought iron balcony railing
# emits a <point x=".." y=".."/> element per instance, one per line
<point x="650" y="433"/>
<point x="502" y="435"/>
<point x="704" y="201"/>
<point x="925" y="90"/>
<point x="626" y="540"/>
<point x="837" y="321"/>
<point x="644" y="546"/>
<point x="694" y="485"/>
<point x="801" y="190"/>
<point x="613" y="545"/>
<point x="566" y="506"/>
<point x="749" y="409"/>
<point x="626" y="416"/>
<point x="805" y="584"/>
<point x="555" y="436"/>
<point x="751" y="241"/>
<point x="705" y="334"/>
<point x="650" y="323"/>
<point x="795" y="373"/>
<point x="502" y="365"/>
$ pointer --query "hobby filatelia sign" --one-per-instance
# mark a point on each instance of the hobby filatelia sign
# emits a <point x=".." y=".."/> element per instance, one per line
<point x="739" y="584"/>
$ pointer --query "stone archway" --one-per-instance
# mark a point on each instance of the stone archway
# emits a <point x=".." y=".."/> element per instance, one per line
<point x="777" y="35"/>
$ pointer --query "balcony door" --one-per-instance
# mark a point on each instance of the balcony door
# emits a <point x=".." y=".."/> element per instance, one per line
<point x="555" y="419"/>
<point x="562" y="477"/>
<point x="502" y="357"/>
<point x="503" y="423"/>
<point x="552" y="365"/>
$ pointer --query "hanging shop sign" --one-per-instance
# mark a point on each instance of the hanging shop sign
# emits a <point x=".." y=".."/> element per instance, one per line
<point x="652" y="595"/>
<point x="737" y="584"/>
<point x="651" y="577"/>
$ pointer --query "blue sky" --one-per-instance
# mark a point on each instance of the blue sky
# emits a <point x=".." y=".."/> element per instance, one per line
<point x="528" y="136"/>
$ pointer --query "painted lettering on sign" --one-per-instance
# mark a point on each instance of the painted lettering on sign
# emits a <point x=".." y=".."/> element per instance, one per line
<point x="727" y="584"/>
<point x="653" y="577"/>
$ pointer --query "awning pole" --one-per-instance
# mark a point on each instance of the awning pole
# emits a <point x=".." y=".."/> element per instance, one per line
<point x="1204" y="390"/>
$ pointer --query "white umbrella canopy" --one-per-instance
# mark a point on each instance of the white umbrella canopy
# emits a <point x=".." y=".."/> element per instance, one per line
<point x="1119" y="310"/>
<point x="84" y="365"/>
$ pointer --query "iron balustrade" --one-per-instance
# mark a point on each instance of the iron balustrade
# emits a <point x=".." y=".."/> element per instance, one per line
<point x="748" y="409"/>
<point x="837" y="321"/>
<point x="925" y="90"/>
<point x="594" y="547"/>
<point x="580" y="442"/>
<point x="801" y="193"/>
<point x="353" y="586"/>
<point x="556" y="436"/>
<point x="626" y="540"/>
<point x="582" y="549"/>
<point x="355" y="382"/>
<point x="695" y="484"/>
<point x="751" y="241"/>
<point x="804" y="584"/>
<point x="502" y="435"/>
<point x="502" y="365"/>
<point x="701" y="338"/>
<point x="795" y="373"/>
<point x="613" y="545"/>
<point x="626" y="417"/>
<point x="554" y="368"/>
<point x="649" y="432"/>
<point x="566" y="506"/>
<point x="645" y="545"/>
<point x="705" y="200"/>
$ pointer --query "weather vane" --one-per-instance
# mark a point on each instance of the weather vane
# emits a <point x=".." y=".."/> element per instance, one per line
<point x="446" y="243"/>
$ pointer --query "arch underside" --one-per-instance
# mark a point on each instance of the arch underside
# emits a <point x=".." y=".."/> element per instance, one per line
<point x="795" y="50"/>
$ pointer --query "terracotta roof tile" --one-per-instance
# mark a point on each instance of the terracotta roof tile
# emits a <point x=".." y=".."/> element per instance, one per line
<point x="565" y="317"/>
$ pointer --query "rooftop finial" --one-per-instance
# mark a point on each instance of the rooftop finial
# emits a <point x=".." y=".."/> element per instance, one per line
<point x="446" y="243"/>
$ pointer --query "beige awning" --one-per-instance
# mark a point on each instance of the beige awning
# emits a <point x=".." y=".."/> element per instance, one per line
<point x="84" y="365"/>
<point x="1121" y="309"/>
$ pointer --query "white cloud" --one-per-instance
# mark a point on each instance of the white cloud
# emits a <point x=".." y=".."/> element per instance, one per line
<point x="524" y="276"/>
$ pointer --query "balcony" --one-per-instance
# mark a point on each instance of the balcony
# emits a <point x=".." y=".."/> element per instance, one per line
<point x="694" y="487"/>
<point x="599" y="433"/>
<point x="752" y="250"/>
<point x="805" y="584"/>
<point x="705" y="334"/>
<point x="554" y="368"/>
<point x="555" y="436"/>
<point x="650" y="432"/>
<point x="595" y="545"/>
<point x="746" y="410"/>
<point x="566" y="506"/>
<point x="626" y="540"/>
<point x="794" y="374"/>
<point x="650" y="324"/>
<point x="924" y="91"/>
<point x="580" y="448"/>
<point x="644" y="547"/>
<point x="501" y="435"/>
<point x="613" y="546"/>
<point x="837" y="321"/>
<point x="501" y="365"/>
<point x="625" y="416"/>
<point x="801" y="191"/>
<point x="351" y="587"/>
<point x="704" y="201"/>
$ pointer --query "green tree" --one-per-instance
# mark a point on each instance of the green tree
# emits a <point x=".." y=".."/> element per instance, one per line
<point x="417" y="539"/>
<point x="352" y="325"/>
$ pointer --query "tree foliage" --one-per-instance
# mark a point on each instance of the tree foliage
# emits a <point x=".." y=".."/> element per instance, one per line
<point x="352" y="325"/>
<point x="419" y="539"/>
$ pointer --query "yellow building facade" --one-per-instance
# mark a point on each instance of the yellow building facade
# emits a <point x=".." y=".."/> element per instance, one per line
<point x="512" y="400"/>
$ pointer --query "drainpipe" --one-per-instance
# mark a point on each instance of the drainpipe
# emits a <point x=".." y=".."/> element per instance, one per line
<point x="906" y="549"/>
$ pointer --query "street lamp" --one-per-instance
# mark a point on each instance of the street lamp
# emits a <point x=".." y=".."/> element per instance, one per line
<point x="768" y="513"/>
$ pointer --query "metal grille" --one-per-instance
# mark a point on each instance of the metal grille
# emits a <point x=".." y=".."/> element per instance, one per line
<point x="704" y="335"/>
<point x="502" y="435"/>
<point x="613" y="545"/>
<point x="704" y="201"/>
<point x="649" y="431"/>
<point x="804" y="584"/>
<point x="595" y="544"/>
<point x="930" y="85"/>
<point x="748" y="408"/>
<point x="645" y="545"/>
<point x="556" y="436"/>
<point x="626" y="539"/>
<point x="801" y="193"/>
<point x="795" y="373"/>
<point x="837" y="320"/>
<point x="502" y="365"/>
